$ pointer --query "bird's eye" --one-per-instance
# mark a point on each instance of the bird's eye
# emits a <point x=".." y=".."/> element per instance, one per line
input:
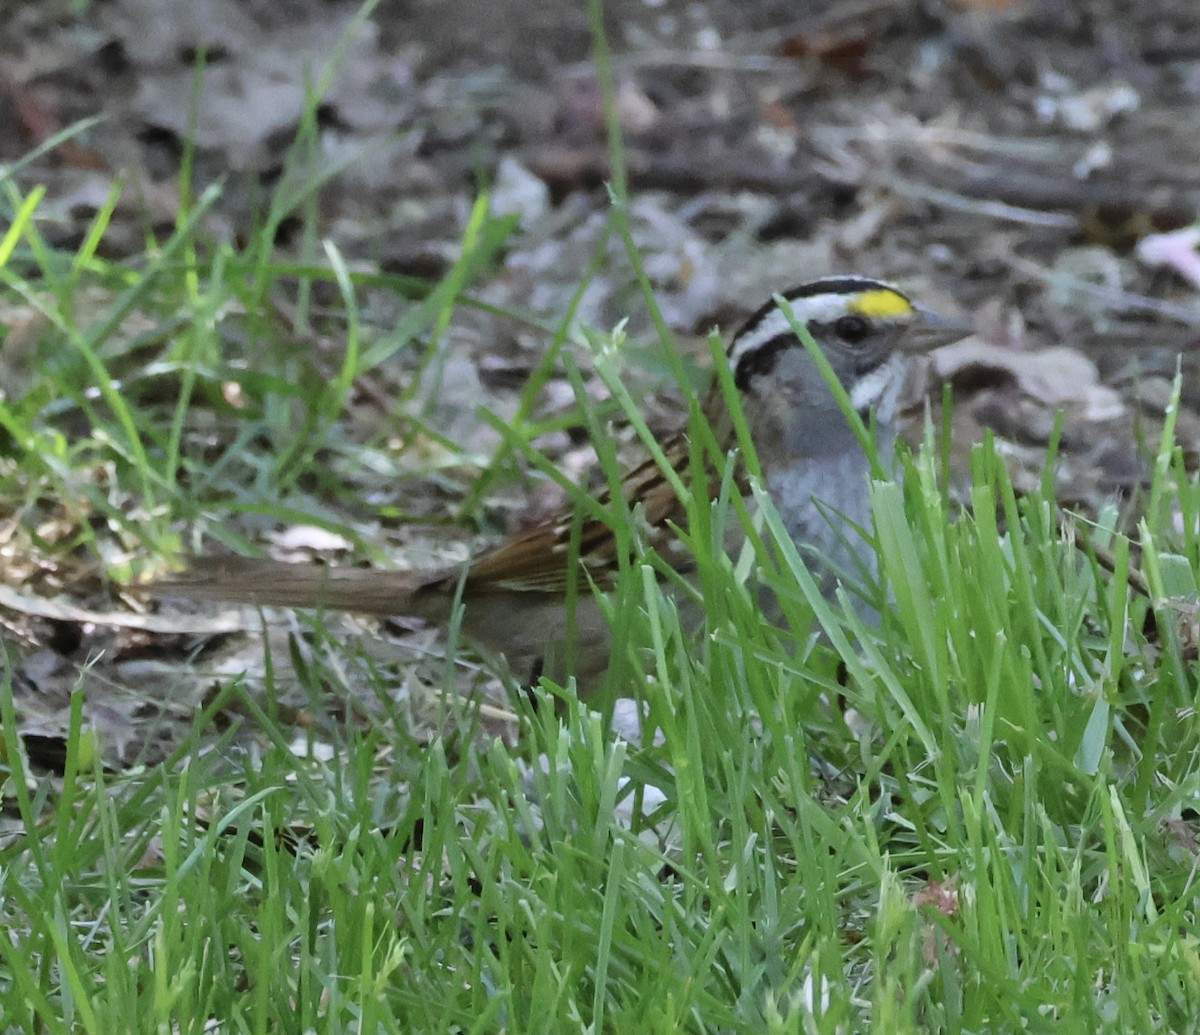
<point x="851" y="329"/>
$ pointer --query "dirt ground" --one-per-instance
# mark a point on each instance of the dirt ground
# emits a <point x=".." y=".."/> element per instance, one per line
<point x="1013" y="162"/>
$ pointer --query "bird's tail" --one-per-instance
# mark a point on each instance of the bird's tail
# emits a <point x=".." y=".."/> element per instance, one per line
<point x="279" y="584"/>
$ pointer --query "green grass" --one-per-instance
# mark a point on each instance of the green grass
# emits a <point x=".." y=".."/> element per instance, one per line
<point x="980" y="815"/>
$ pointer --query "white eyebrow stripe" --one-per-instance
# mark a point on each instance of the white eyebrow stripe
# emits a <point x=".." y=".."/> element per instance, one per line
<point x="821" y="308"/>
<point x="771" y="326"/>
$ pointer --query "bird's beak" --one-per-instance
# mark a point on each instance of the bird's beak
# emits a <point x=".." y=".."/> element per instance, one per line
<point x="931" y="330"/>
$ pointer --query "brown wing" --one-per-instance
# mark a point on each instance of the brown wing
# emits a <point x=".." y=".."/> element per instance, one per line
<point x="537" y="561"/>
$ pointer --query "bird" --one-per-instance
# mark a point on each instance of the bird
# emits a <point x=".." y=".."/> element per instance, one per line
<point x="528" y="602"/>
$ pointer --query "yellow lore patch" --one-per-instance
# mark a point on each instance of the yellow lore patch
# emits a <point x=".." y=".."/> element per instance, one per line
<point x="880" y="302"/>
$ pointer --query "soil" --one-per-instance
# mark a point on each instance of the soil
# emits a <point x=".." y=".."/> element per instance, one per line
<point x="1009" y="162"/>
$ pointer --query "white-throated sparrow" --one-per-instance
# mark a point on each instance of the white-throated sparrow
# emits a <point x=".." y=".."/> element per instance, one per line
<point x="515" y="595"/>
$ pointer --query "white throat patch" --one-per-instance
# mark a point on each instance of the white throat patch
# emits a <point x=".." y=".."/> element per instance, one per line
<point x="880" y="388"/>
